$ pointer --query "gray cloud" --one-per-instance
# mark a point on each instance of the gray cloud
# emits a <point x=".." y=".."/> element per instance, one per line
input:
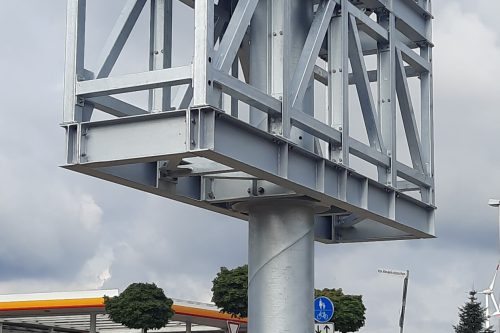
<point x="61" y="230"/>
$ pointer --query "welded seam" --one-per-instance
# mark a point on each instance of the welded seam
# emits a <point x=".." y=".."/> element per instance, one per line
<point x="276" y="256"/>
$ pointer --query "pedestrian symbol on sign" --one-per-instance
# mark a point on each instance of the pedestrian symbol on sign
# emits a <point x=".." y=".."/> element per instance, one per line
<point x="323" y="309"/>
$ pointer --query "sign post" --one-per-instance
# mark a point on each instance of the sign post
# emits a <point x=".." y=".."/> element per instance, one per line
<point x="404" y="274"/>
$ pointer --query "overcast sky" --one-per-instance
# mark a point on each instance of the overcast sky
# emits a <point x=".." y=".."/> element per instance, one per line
<point x="65" y="231"/>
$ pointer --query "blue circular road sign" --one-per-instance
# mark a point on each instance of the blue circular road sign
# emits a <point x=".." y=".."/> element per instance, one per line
<point x="323" y="309"/>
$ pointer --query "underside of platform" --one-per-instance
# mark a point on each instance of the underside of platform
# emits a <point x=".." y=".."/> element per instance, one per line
<point x="212" y="160"/>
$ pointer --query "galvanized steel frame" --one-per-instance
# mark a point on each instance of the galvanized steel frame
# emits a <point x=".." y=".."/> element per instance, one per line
<point x="196" y="148"/>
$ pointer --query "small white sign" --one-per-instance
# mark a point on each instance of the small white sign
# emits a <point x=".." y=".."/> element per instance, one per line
<point x="323" y="328"/>
<point x="393" y="272"/>
<point x="233" y="327"/>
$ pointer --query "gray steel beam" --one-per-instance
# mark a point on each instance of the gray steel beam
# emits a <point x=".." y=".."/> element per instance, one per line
<point x="236" y="29"/>
<point x="160" y="51"/>
<point x="321" y="75"/>
<point x="247" y="93"/>
<point x="367" y="25"/>
<point x="130" y="140"/>
<point x="315" y="127"/>
<point x="109" y="143"/>
<point x="183" y="97"/>
<point x="411" y="19"/>
<point x="414" y="176"/>
<point x="135" y="82"/>
<point x="262" y="160"/>
<point x="115" y="107"/>
<point x="118" y="36"/>
<point x="302" y="75"/>
<point x="360" y="77"/>
<point x="368" y="153"/>
<point x="413" y="59"/>
<point x="408" y="115"/>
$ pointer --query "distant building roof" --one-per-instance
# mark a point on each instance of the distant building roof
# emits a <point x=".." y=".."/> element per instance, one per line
<point x="70" y="312"/>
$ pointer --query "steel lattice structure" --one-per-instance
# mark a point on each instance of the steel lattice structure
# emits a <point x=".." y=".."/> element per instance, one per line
<point x="196" y="147"/>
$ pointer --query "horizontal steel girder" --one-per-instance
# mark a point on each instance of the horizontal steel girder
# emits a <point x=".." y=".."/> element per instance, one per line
<point x="228" y="161"/>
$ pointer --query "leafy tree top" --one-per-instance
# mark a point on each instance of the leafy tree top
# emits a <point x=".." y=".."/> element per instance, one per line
<point x="230" y="289"/>
<point x="230" y="293"/>
<point x="349" y="315"/>
<point x="140" y="306"/>
<point x="472" y="317"/>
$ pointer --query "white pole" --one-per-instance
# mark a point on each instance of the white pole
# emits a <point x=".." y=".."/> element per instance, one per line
<point x="499" y="228"/>
<point x="498" y="327"/>
<point x="495" y="203"/>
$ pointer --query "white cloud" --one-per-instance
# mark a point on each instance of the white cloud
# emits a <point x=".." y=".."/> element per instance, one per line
<point x="62" y="231"/>
<point x="90" y="213"/>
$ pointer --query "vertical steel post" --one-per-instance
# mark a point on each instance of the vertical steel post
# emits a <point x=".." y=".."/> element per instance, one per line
<point x="73" y="108"/>
<point x="203" y="52"/>
<point x="160" y="56"/>
<point x="278" y="32"/>
<point x="338" y="83"/>
<point x="281" y="267"/>
<point x="234" y="101"/>
<point x="427" y="113"/>
<point x="387" y="94"/>
<point x="260" y="58"/>
<point x="299" y="19"/>
<point x="188" y="327"/>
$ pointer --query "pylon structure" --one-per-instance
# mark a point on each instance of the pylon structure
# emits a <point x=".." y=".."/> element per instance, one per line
<point x="261" y="126"/>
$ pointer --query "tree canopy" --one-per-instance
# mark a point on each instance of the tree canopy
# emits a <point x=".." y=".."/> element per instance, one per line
<point x="230" y="293"/>
<point x="349" y="315"/>
<point x="140" y="306"/>
<point x="472" y="317"/>
<point x="230" y="290"/>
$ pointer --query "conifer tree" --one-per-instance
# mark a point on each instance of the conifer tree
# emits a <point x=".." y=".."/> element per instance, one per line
<point x="472" y="317"/>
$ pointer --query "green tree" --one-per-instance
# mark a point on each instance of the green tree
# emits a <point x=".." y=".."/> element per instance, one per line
<point x="349" y="315"/>
<point x="230" y="293"/>
<point x="472" y="317"/>
<point x="140" y="306"/>
<point x="230" y="290"/>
